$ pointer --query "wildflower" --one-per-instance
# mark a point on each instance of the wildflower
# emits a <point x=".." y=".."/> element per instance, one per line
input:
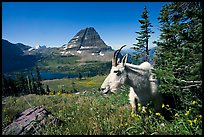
<point x="200" y="116"/>
<point x="176" y="115"/>
<point x="134" y="115"/>
<point x="51" y="93"/>
<point x="139" y="105"/>
<point x="195" y="120"/>
<point x="190" y="122"/>
<point x="59" y="93"/>
<point x="162" y="125"/>
<point x="194" y="102"/>
<point x="123" y="125"/>
<point x="144" y="109"/>
<point x="69" y="94"/>
<point x="158" y="114"/>
<point x="167" y="105"/>
<point x="163" y="105"/>
<point x="187" y="113"/>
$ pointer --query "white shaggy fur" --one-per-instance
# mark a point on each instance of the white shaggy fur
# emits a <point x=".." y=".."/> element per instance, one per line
<point x="143" y="88"/>
<point x="132" y="97"/>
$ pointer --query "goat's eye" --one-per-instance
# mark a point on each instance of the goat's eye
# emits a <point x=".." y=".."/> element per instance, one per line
<point x="117" y="72"/>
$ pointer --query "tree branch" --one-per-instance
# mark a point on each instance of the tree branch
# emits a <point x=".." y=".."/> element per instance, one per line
<point x="192" y="82"/>
<point x="189" y="86"/>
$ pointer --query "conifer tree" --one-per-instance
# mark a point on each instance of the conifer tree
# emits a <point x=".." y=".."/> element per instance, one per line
<point x="12" y="87"/>
<point x="40" y="89"/>
<point x="142" y="46"/>
<point x="29" y="84"/>
<point x="80" y="76"/>
<point x="5" y="86"/>
<point x="179" y="55"/>
<point x="21" y="83"/>
<point x="33" y="85"/>
<point x="47" y="89"/>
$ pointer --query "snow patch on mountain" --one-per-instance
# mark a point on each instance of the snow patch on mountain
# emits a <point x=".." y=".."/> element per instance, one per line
<point x="37" y="47"/>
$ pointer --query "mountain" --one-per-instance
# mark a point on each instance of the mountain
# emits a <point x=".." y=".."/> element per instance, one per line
<point x="22" y="46"/>
<point x="38" y="47"/>
<point x="130" y="53"/>
<point x="13" y="57"/>
<point x="10" y="49"/>
<point x="87" y="40"/>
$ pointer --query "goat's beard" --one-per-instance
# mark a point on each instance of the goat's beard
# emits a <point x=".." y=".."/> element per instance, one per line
<point x="112" y="88"/>
<point x="107" y="91"/>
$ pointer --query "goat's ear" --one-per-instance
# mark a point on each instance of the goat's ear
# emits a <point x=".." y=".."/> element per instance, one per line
<point x="124" y="60"/>
<point x="113" y="62"/>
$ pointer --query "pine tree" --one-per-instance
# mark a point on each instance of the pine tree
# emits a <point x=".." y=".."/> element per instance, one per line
<point x="142" y="46"/>
<point x="21" y="83"/>
<point x="47" y="89"/>
<point x="12" y="87"/>
<point x="29" y="84"/>
<point x="179" y="55"/>
<point x="33" y="85"/>
<point x="80" y="76"/>
<point x="5" y="86"/>
<point x="40" y="89"/>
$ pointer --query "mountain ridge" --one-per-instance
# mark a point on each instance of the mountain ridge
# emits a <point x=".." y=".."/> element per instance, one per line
<point x="88" y="40"/>
<point x="13" y="57"/>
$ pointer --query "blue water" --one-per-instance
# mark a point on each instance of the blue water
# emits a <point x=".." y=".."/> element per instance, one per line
<point x="57" y="75"/>
<point x="54" y="75"/>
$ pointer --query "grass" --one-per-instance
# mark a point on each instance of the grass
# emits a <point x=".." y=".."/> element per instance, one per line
<point x="87" y="84"/>
<point x="94" y="114"/>
<point x="73" y="64"/>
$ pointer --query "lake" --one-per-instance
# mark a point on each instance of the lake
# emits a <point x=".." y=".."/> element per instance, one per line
<point x="56" y="75"/>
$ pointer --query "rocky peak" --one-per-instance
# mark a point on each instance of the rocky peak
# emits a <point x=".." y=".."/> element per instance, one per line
<point x="87" y="40"/>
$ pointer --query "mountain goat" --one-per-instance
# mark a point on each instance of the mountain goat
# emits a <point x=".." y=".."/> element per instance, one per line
<point x="143" y="88"/>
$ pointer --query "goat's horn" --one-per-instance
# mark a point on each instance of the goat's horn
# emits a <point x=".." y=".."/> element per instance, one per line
<point x="116" y="53"/>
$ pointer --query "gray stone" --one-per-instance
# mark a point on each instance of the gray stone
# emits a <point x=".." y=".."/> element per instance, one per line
<point x="30" y="121"/>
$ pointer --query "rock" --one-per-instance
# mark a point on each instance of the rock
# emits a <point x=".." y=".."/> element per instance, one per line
<point x="87" y="40"/>
<point x="30" y="121"/>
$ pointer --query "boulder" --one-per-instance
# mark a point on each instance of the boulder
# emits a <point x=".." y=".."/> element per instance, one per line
<point x="30" y="121"/>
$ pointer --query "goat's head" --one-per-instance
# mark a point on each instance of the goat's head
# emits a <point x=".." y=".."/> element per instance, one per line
<point x="117" y="76"/>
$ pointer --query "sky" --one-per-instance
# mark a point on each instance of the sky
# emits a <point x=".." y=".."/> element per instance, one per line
<point x="53" y="24"/>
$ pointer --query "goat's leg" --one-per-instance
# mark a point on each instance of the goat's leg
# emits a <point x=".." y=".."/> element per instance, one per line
<point x="157" y="101"/>
<point x="133" y="99"/>
<point x="156" y="96"/>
